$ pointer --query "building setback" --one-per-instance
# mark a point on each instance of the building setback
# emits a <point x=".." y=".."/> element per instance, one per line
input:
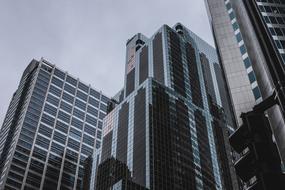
<point x="168" y="126"/>
<point x="53" y="123"/>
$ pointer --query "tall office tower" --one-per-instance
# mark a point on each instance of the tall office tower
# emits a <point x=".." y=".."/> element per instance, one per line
<point x="53" y="124"/>
<point x="234" y="59"/>
<point x="165" y="128"/>
<point x="258" y="27"/>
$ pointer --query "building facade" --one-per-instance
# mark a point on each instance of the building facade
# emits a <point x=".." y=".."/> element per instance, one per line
<point x="234" y="59"/>
<point x="253" y="31"/>
<point x="113" y="174"/>
<point x="53" y="123"/>
<point x="166" y="128"/>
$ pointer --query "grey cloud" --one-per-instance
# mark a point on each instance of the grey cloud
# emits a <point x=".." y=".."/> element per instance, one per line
<point x="84" y="37"/>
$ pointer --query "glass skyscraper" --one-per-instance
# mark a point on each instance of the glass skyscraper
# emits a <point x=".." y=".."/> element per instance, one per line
<point x="167" y="125"/>
<point x="53" y="123"/>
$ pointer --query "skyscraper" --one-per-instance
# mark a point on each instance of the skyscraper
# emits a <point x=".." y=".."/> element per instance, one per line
<point x="165" y="127"/>
<point x="53" y="123"/>
<point x="259" y="30"/>
<point x="233" y="55"/>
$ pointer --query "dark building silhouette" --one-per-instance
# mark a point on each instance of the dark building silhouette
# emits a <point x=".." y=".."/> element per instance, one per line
<point x="114" y="174"/>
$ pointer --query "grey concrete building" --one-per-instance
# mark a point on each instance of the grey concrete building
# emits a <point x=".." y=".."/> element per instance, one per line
<point x="53" y="123"/>
<point x="239" y="21"/>
<point x="234" y="59"/>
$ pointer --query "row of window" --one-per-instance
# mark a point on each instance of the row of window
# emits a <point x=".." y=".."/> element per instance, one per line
<point x="277" y="31"/>
<point x="272" y="9"/>
<point x="274" y="20"/>
<point x="72" y="83"/>
<point x="247" y="63"/>
<point x="78" y="101"/>
<point x="271" y="1"/>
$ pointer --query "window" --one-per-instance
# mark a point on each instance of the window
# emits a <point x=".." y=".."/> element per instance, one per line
<point x="100" y="124"/>
<point x="75" y="133"/>
<point x="266" y="19"/>
<point x="33" y="179"/>
<point x="86" y="150"/>
<point x="101" y="115"/>
<point x="61" y="126"/>
<point x="238" y="36"/>
<point x="242" y="49"/>
<point x="43" y="142"/>
<point x="69" y="88"/>
<point x="39" y="153"/>
<point x="54" y="90"/>
<point x="77" y="123"/>
<point x="73" y="144"/>
<point x="256" y="93"/>
<point x="47" y="120"/>
<point x="59" y="137"/>
<point x="57" y="82"/>
<point x="283" y="57"/>
<point x="80" y="104"/>
<point x="70" y="168"/>
<point x="65" y="106"/>
<point x="91" y="120"/>
<point x="88" y="140"/>
<point x="53" y="100"/>
<point x="272" y="31"/>
<point x="251" y="77"/>
<point x="71" y="80"/>
<point x="71" y="155"/>
<point x="278" y="32"/>
<point x="99" y="134"/>
<point x="83" y="87"/>
<point x="92" y="111"/>
<point x="57" y="148"/>
<point x="98" y="144"/>
<point x="232" y="15"/>
<point x="36" y="166"/>
<point x="228" y="5"/>
<point x="247" y="62"/>
<point x="235" y="26"/>
<point x="44" y="130"/>
<point x="94" y="93"/>
<point x="93" y="102"/>
<point x="53" y="159"/>
<point x="78" y="113"/>
<point x="90" y="130"/>
<point x="63" y="116"/>
<point x="267" y="9"/>
<point x="280" y="20"/>
<point x="82" y="95"/>
<point x="50" y="109"/>
<point x="104" y="99"/>
<point x="68" y="97"/>
<point x="59" y="73"/>
<point x="261" y="8"/>
<point x="272" y="20"/>
<point x="51" y="172"/>
<point x="278" y="44"/>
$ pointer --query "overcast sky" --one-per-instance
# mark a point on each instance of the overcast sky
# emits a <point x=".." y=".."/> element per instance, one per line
<point x="84" y="37"/>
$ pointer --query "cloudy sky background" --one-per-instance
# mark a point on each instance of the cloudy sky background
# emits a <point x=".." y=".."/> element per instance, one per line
<point x="84" y="37"/>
